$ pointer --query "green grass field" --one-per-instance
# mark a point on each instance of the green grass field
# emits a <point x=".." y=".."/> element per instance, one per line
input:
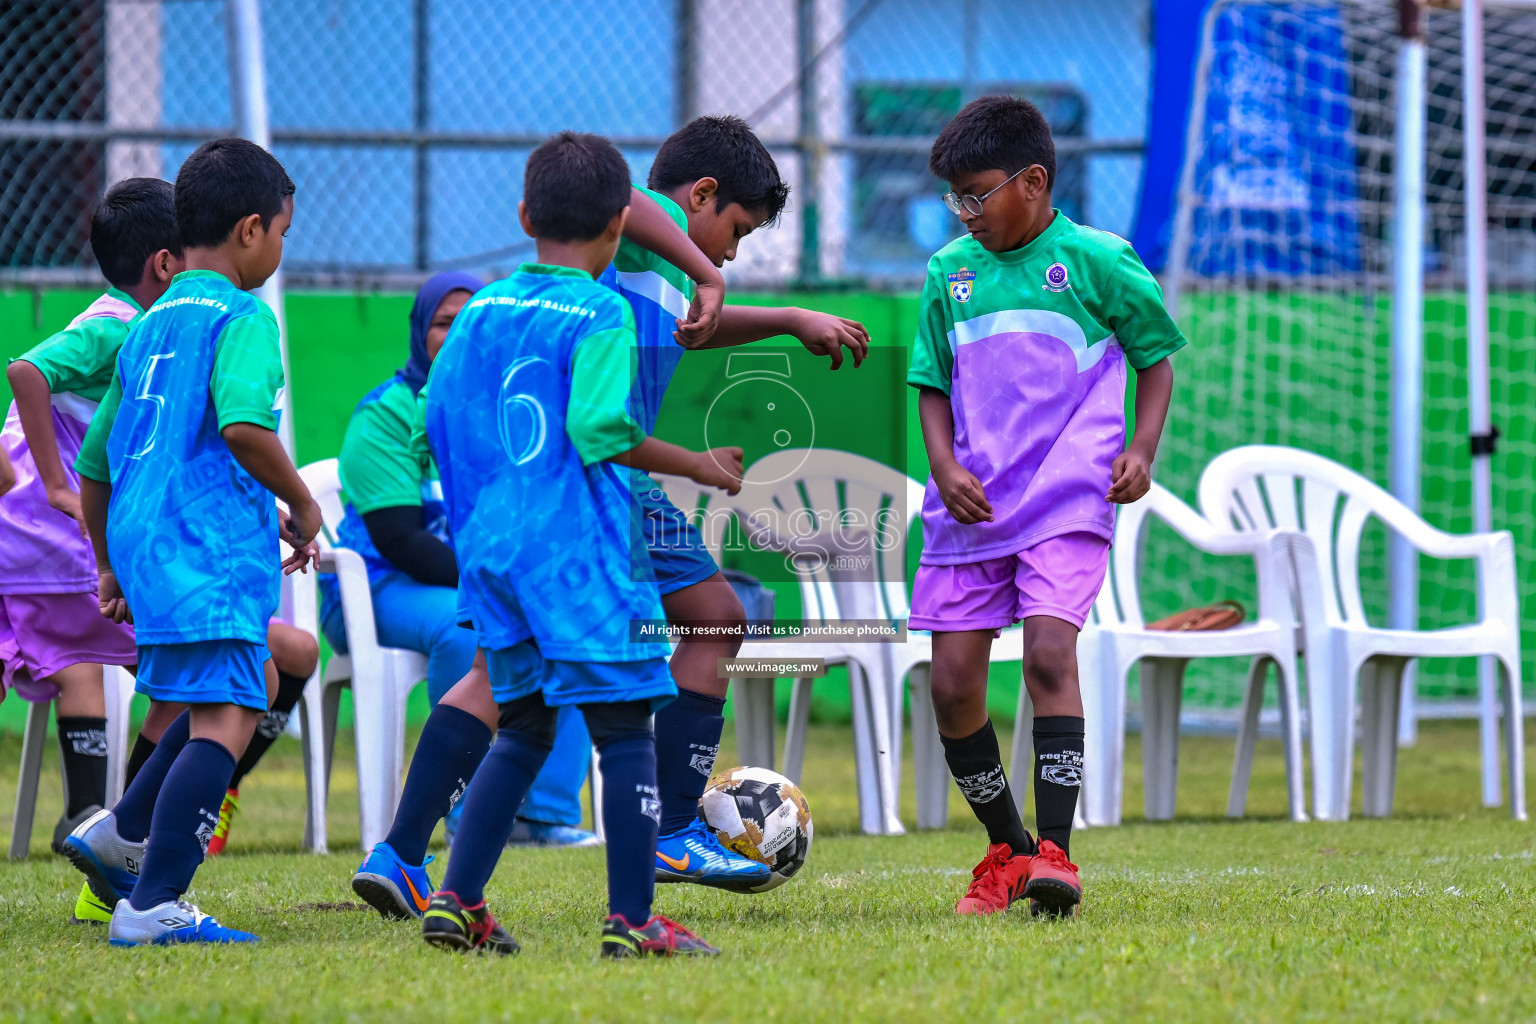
<point x="1425" y="917"/>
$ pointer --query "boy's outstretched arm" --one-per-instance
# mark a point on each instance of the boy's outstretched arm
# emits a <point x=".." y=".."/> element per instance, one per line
<point x="35" y="410"/>
<point x="261" y="454"/>
<point x="1132" y="471"/>
<point x="650" y="227"/>
<point x="962" y="492"/>
<point x="717" y="467"/>
<point x="823" y="334"/>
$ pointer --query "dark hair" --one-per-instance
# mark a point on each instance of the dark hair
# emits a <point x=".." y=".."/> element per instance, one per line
<point x="994" y="133"/>
<point x="573" y="186"/>
<point x="221" y="183"/>
<point x="133" y="221"/>
<point x="725" y="149"/>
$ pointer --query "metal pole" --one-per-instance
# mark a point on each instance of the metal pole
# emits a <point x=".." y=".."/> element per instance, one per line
<point x="1474" y="146"/>
<point x="1408" y="332"/>
<point x="686" y="100"/>
<point x="248" y="97"/>
<point x="809" y="145"/>
<point x="422" y="114"/>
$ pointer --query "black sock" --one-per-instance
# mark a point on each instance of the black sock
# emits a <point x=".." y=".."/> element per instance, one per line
<point x="83" y="742"/>
<point x="687" y="739"/>
<point x="186" y="813"/>
<point x="1058" y="776"/>
<point x="142" y="748"/>
<point x="271" y="726"/>
<point x="977" y="766"/>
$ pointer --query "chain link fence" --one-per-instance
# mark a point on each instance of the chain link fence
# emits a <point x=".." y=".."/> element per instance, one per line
<point x="405" y="123"/>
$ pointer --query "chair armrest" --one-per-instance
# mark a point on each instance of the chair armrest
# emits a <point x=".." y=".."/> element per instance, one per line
<point x="356" y="594"/>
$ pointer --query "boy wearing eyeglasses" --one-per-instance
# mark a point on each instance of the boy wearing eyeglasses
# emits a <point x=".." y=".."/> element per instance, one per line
<point x="1025" y="329"/>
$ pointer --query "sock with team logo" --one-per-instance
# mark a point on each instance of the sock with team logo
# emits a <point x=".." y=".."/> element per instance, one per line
<point x="977" y="766"/>
<point x="186" y="813"/>
<point x="452" y="745"/>
<point x="687" y="739"/>
<point x="1058" y="776"/>
<point x="490" y="806"/>
<point x="136" y="809"/>
<point x="631" y="815"/>
<point x="83" y="744"/>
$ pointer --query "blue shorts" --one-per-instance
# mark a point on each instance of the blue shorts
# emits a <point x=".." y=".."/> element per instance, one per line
<point x="519" y="671"/>
<point x="677" y="549"/>
<point x="206" y="672"/>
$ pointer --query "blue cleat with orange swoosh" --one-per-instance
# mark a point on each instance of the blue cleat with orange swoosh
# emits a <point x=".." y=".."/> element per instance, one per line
<point x="398" y="890"/>
<point x="693" y="854"/>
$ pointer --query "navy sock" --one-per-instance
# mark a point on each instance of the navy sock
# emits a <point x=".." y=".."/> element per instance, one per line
<point x="490" y="805"/>
<point x="137" y="806"/>
<point x="452" y="745"/>
<point x="631" y="814"/>
<point x="185" y="816"/>
<point x="687" y="739"/>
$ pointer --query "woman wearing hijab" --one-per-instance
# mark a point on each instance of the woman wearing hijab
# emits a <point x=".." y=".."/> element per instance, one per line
<point x="395" y="519"/>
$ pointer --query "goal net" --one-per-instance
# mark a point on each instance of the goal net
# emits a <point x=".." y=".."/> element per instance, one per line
<point x="1281" y="274"/>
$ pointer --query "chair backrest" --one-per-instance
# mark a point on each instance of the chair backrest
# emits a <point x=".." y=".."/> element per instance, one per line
<point x="797" y="492"/>
<point x="706" y="507"/>
<point x="1264" y="486"/>
<point x="323" y="479"/>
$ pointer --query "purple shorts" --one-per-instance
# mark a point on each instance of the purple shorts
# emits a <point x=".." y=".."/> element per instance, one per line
<point x="43" y="633"/>
<point x="1061" y="576"/>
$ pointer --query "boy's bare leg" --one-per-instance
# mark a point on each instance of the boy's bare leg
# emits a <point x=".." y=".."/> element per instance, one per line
<point x="694" y="662"/>
<point x="80" y="693"/>
<point x="472" y="694"/>
<point x="1050" y="666"/>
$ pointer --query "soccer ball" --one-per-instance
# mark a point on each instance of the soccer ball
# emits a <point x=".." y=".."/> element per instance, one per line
<point x="762" y="815"/>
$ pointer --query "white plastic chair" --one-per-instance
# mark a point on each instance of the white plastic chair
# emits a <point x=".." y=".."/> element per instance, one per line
<point x="301" y="609"/>
<point x="763" y="506"/>
<point x="117" y="689"/>
<point x="1323" y="508"/>
<point x="389" y="673"/>
<point x="1123" y="641"/>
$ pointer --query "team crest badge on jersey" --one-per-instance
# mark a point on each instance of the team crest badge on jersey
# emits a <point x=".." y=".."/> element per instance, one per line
<point x="1056" y="278"/>
<point x="960" y="287"/>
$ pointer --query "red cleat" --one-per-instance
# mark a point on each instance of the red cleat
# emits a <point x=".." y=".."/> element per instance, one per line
<point x="1053" y="887"/>
<point x="996" y="883"/>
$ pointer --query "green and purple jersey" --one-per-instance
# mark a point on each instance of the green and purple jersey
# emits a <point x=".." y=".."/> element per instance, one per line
<point x="1031" y="346"/>
<point x="41" y="550"/>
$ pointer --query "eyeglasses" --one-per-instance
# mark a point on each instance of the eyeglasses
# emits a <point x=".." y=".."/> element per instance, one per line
<point x="959" y="204"/>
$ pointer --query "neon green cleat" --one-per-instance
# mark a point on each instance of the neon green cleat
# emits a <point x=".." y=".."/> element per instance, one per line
<point x="89" y="909"/>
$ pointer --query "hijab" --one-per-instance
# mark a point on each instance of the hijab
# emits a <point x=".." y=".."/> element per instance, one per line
<point x="428" y="298"/>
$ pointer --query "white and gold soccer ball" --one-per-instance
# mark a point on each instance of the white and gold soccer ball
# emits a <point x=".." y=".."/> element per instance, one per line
<point x="759" y="814"/>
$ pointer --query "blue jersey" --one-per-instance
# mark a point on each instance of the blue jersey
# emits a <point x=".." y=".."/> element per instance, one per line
<point x="193" y="537"/>
<point x="547" y="538"/>
<point x="659" y="294"/>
